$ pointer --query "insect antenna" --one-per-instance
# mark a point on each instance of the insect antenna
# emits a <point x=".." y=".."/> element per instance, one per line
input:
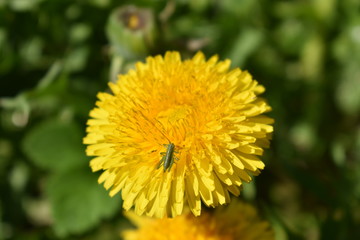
<point x="162" y="133"/>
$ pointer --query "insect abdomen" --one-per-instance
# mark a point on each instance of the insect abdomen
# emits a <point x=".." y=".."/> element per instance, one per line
<point x="168" y="158"/>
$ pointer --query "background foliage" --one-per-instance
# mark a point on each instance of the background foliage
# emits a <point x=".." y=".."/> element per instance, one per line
<point x="56" y="55"/>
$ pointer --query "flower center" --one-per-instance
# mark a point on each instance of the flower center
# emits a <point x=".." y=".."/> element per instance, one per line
<point x="173" y="121"/>
<point x="173" y="115"/>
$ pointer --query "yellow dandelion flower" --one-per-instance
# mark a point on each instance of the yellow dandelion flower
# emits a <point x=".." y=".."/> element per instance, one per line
<point x="236" y="221"/>
<point x="175" y="133"/>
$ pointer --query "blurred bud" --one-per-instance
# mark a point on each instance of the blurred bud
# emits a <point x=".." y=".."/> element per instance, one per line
<point x="131" y="31"/>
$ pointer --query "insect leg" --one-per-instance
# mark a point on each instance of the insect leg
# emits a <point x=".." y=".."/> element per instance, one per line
<point x="161" y="162"/>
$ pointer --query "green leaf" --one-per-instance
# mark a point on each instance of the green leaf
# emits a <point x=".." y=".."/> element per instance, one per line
<point x="76" y="59"/>
<point x="55" y="145"/>
<point x="78" y="202"/>
<point x="348" y="90"/>
<point x="23" y="5"/>
<point x="245" y="44"/>
<point x="6" y="153"/>
<point x="312" y="57"/>
<point x="80" y="32"/>
<point x="31" y="51"/>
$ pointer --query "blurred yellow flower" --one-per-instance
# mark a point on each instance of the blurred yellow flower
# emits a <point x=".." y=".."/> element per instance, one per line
<point x="236" y="221"/>
<point x="176" y="132"/>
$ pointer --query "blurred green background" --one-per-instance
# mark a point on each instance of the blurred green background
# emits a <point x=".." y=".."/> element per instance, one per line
<point x="55" y="55"/>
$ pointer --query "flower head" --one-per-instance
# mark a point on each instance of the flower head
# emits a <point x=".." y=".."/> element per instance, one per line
<point x="175" y="133"/>
<point x="237" y="221"/>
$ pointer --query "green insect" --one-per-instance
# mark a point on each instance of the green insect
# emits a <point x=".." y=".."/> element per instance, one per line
<point x="168" y="158"/>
